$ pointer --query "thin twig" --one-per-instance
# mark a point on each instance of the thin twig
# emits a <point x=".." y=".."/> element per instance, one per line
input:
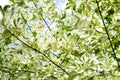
<point x="37" y="51"/>
<point x="26" y="22"/>
<point x="45" y="21"/>
<point x="100" y="12"/>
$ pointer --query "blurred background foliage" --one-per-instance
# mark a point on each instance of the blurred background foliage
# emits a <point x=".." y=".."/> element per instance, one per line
<point x="69" y="32"/>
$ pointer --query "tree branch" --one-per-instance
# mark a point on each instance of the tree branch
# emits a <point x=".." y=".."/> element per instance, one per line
<point x="34" y="49"/>
<point x="100" y="12"/>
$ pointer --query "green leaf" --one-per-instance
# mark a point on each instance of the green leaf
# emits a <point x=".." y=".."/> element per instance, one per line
<point x="91" y="78"/>
<point x="118" y="59"/>
<point x="67" y="59"/>
<point x="30" y="0"/>
<point x="63" y="16"/>
<point x="12" y="12"/>
<point x="6" y="7"/>
<point x="115" y="42"/>
<point x="108" y="18"/>
<point x="6" y="34"/>
<point x="77" y="54"/>
<point x="8" y="41"/>
<point x="70" y="1"/>
<point x="111" y="11"/>
<point x="11" y="1"/>
<point x="81" y="8"/>
<point x="21" y="3"/>
<point x="14" y="22"/>
<point x="34" y="33"/>
<point x="67" y="28"/>
<point x="25" y="21"/>
<point x="34" y="17"/>
<point x="68" y="6"/>
<point x="96" y="50"/>
<point x="118" y="51"/>
<point x="73" y="75"/>
<point x="0" y="8"/>
<point x="51" y="78"/>
<point x="17" y="31"/>
<point x="110" y="15"/>
<point x="118" y="0"/>
<point x="72" y="4"/>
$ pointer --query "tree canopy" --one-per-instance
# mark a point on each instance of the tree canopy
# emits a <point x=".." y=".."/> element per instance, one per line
<point x="49" y="40"/>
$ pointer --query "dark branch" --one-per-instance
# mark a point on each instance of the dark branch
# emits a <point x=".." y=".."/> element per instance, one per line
<point x="36" y="50"/>
<point x="100" y="12"/>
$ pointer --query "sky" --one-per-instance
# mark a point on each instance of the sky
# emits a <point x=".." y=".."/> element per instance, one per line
<point x="4" y="2"/>
<point x="61" y="4"/>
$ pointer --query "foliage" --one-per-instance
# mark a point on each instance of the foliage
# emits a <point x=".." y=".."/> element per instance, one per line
<point x="38" y="41"/>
